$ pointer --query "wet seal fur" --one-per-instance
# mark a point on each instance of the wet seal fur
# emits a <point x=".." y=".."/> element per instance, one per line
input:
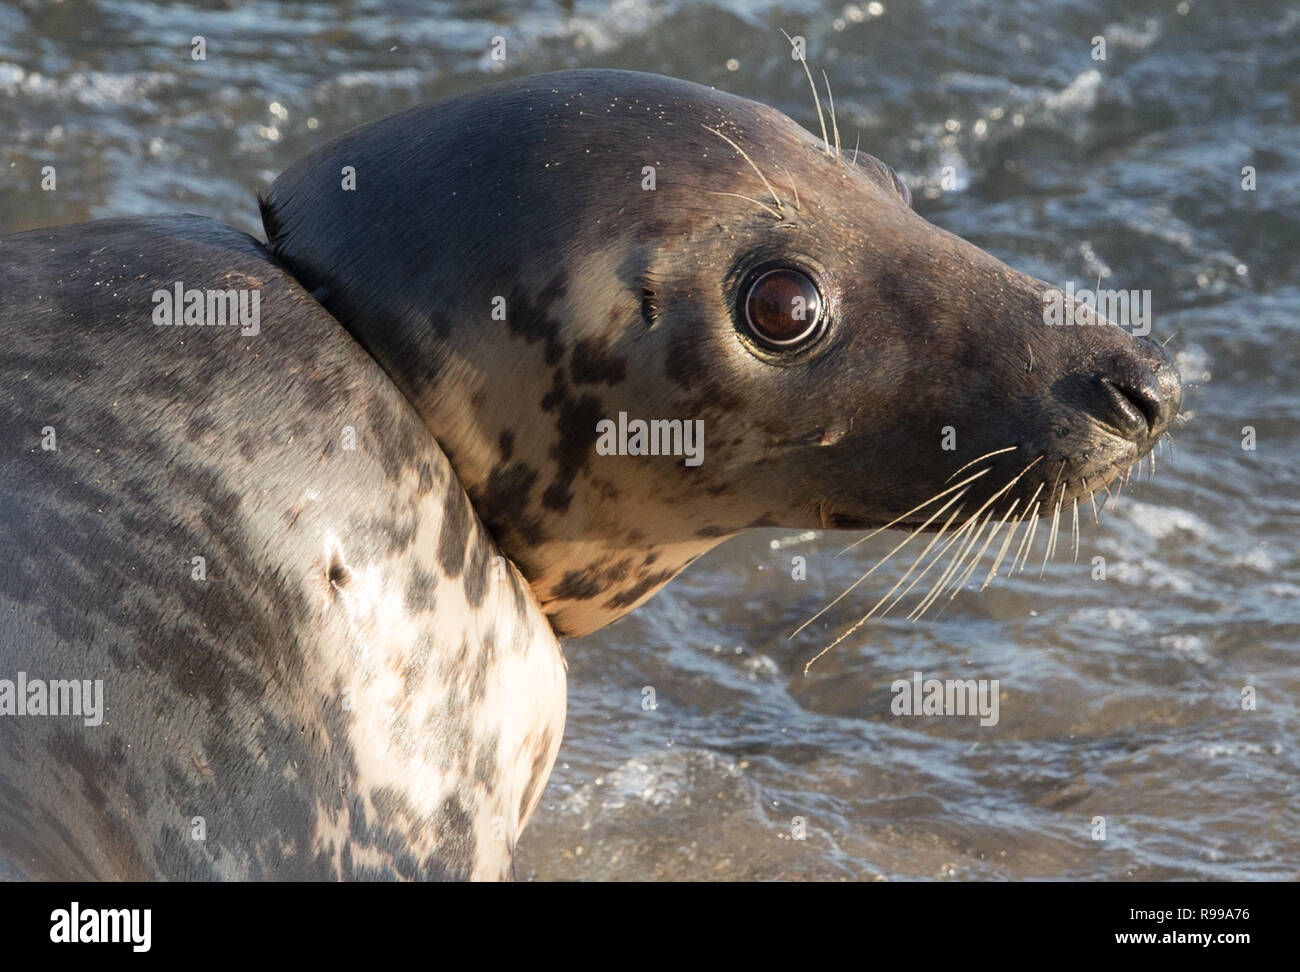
<point x="369" y="682"/>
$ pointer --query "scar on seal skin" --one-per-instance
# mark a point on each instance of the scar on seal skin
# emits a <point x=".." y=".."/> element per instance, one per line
<point x="368" y="681"/>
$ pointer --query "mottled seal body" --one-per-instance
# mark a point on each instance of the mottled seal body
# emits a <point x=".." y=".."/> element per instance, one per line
<point x="361" y="687"/>
<point x="364" y="684"/>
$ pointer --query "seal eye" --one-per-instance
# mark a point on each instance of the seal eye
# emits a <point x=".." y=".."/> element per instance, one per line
<point x="783" y="308"/>
<point x="901" y="186"/>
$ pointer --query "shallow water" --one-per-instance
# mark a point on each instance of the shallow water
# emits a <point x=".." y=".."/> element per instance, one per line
<point x="1119" y="698"/>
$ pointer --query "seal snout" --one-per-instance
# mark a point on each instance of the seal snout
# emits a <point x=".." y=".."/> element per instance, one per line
<point x="1143" y="393"/>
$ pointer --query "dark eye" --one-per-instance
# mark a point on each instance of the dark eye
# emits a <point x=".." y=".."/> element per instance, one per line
<point x="783" y="308"/>
<point x="901" y="186"/>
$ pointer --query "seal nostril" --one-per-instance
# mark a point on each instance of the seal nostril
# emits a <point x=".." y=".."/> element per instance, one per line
<point x="1137" y="405"/>
<point x="1142" y="390"/>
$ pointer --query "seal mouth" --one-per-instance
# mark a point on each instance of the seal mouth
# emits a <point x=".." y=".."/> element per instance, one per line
<point x="841" y="521"/>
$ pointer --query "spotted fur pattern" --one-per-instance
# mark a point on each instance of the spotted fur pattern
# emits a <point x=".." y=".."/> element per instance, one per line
<point x="362" y="686"/>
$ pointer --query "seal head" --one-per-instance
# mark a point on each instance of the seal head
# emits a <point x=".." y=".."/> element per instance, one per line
<point x="532" y="259"/>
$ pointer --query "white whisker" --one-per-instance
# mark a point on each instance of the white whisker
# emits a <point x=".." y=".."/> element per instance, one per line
<point x="902" y="543"/>
<point x="835" y="127"/>
<point x="793" y="187"/>
<point x="863" y="620"/>
<point x="937" y="557"/>
<point x="951" y="540"/>
<point x="1033" y="519"/>
<point x="816" y="100"/>
<point x="914" y="509"/>
<point x="937" y="588"/>
<point x="1076" y="529"/>
<point x="1029" y="538"/>
<point x="987" y="455"/>
<point x="1002" y="552"/>
<point x="752" y="164"/>
<point x="1056" y="515"/>
<point x="993" y="499"/>
<point x="980" y="556"/>
<point x="757" y="202"/>
<point x="1051" y="536"/>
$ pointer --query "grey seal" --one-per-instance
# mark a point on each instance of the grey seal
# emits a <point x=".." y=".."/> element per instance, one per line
<point x="320" y="566"/>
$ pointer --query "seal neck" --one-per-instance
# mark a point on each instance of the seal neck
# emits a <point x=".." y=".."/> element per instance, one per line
<point x="455" y="263"/>
<point x="591" y="548"/>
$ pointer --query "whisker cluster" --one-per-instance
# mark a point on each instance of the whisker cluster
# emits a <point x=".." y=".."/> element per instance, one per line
<point x="831" y="149"/>
<point x="963" y="536"/>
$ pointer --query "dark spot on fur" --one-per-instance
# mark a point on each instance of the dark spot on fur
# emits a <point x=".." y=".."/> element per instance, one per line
<point x="557" y="497"/>
<point x="557" y="393"/>
<point x="528" y="315"/>
<point x="537" y="772"/>
<point x="425" y="485"/>
<point x="455" y="825"/>
<point x="608" y="491"/>
<point x="589" y="365"/>
<point x="477" y="571"/>
<point x="503" y="502"/>
<point x="390" y="437"/>
<point x="455" y="529"/>
<point x="576" y="431"/>
<point x="653" y="230"/>
<point x="485" y="763"/>
<point x="626" y="598"/>
<point x="421" y="591"/>
<point x="199" y="426"/>
<point x="318" y="395"/>
<point x="577" y="585"/>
